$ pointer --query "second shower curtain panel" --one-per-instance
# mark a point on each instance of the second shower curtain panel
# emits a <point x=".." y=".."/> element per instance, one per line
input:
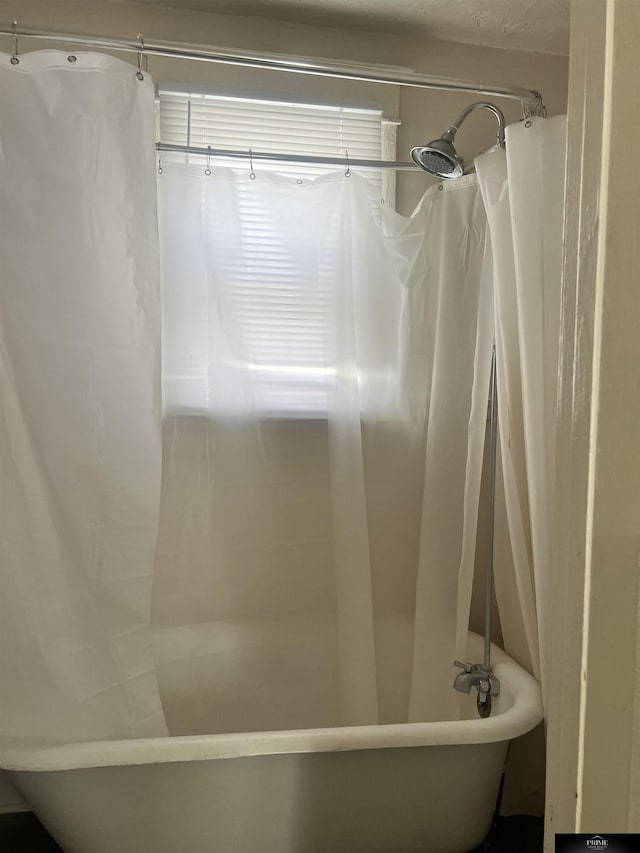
<point x="326" y="366"/>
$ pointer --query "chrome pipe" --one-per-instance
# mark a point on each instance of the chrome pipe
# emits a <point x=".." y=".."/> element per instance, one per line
<point x="493" y="441"/>
<point x="479" y="675"/>
<point x="285" y="158"/>
<point x="481" y="105"/>
<point x="389" y="75"/>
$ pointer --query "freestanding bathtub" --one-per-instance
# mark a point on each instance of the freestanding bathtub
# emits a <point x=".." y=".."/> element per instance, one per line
<point x="410" y="788"/>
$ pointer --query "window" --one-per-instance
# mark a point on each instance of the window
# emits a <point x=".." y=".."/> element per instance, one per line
<point x="283" y="321"/>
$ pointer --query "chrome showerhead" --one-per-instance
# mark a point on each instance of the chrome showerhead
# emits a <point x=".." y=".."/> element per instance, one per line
<point x="440" y="158"/>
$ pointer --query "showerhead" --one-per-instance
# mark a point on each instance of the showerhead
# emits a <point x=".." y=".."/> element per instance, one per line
<point x="440" y="158"/>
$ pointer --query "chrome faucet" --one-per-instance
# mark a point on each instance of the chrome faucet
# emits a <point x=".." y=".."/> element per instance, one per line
<point x="482" y="678"/>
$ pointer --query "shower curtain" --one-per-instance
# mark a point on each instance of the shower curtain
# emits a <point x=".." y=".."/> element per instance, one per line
<point x="317" y="469"/>
<point x="314" y="531"/>
<point x="523" y="192"/>
<point x="345" y="535"/>
<point x="79" y="399"/>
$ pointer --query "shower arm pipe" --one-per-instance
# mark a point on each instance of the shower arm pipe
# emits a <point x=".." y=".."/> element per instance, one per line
<point x="480" y="105"/>
<point x="530" y="99"/>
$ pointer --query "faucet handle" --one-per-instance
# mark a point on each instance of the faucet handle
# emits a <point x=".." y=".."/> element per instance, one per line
<point x="467" y="667"/>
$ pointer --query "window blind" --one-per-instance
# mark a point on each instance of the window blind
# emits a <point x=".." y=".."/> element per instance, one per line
<point x="278" y="127"/>
<point x="279" y="313"/>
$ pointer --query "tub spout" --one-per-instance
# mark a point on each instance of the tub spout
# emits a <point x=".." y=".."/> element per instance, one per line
<point x="482" y="678"/>
<point x="478" y="676"/>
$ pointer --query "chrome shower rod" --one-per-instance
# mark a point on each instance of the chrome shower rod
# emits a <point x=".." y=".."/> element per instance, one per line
<point x="530" y="99"/>
<point x="234" y="154"/>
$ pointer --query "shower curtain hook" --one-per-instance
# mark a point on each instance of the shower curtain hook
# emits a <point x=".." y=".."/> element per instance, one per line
<point x="347" y="171"/>
<point x="526" y="114"/>
<point x="207" y="171"/>
<point x="139" y="73"/>
<point x="14" y="52"/>
<point x="252" y="174"/>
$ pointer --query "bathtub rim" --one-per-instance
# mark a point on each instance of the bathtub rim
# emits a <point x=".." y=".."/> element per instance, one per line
<point x="522" y="715"/>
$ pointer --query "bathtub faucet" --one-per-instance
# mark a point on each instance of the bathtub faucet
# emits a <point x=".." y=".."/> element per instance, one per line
<point x="477" y="675"/>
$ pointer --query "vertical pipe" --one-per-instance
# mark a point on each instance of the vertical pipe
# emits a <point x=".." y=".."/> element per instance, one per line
<point x="492" y="508"/>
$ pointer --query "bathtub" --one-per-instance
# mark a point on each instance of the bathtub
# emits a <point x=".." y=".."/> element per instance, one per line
<point x="405" y="788"/>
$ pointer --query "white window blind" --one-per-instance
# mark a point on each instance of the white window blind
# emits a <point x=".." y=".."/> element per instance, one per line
<point x="281" y="316"/>
<point x="273" y="126"/>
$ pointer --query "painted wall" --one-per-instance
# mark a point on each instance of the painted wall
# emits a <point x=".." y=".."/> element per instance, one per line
<point x="423" y="115"/>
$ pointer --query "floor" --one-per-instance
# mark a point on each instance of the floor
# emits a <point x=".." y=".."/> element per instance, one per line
<point x="519" y="834"/>
<point x="21" y="832"/>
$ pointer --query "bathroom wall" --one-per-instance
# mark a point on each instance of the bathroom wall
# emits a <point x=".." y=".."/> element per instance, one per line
<point x="423" y="114"/>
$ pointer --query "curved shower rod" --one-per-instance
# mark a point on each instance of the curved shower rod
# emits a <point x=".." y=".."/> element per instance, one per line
<point x="272" y="157"/>
<point x="530" y="99"/>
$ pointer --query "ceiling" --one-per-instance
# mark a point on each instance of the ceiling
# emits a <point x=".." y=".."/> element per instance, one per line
<point x="532" y="25"/>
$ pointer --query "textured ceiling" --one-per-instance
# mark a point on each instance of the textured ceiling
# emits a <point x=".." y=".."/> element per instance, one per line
<point x="534" y="25"/>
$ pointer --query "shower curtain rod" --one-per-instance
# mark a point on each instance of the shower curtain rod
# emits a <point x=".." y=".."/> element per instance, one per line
<point x="530" y="99"/>
<point x="235" y="154"/>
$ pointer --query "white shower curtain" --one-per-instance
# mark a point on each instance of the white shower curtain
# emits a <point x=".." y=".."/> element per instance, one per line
<point x="457" y="323"/>
<point x="79" y="398"/>
<point x="320" y="500"/>
<point x="523" y="192"/>
<point x="292" y="534"/>
<point x="325" y="367"/>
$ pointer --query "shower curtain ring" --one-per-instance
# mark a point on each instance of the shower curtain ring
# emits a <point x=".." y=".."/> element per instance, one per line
<point x="139" y="73"/>
<point x="537" y="109"/>
<point x="14" y="40"/>
<point x="207" y="171"/>
<point x="347" y="171"/>
<point x="252" y="174"/>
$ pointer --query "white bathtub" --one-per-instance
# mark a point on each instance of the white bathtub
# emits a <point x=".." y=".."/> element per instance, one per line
<point x="410" y="788"/>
